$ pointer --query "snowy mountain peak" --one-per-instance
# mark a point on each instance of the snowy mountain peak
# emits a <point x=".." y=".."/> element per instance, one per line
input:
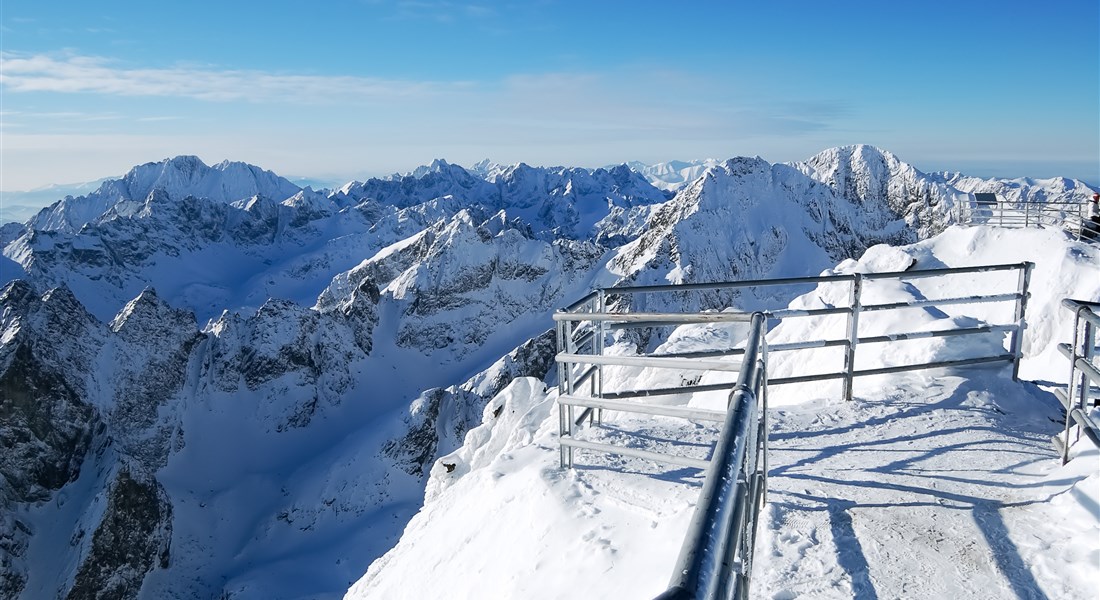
<point x="487" y="169"/>
<point x="177" y="178"/>
<point x="149" y="313"/>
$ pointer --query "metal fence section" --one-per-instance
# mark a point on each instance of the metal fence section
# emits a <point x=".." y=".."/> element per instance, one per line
<point x="717" y="554"/>
<point x="589" y="316"/>
<point x="1071" y="216"/>
<point x="1083" y="390"/>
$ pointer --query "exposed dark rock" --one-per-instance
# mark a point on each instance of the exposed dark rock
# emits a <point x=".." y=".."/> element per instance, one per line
<point x="133" y="538"/>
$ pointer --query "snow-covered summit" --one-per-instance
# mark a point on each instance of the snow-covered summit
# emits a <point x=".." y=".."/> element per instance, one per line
<point x="873" y="177"/>
<point x="674" y="174"/>
<point x="177" y="177"/>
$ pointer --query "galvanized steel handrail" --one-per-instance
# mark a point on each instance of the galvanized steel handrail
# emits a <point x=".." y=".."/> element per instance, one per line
<point x="852" y="340"/>
<point x="715" y="560"/>
<point x="1083" y="373"/>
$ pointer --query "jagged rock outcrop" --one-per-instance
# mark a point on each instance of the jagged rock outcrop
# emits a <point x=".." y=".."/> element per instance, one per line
<point x="133" y="538"/>
<point x="438" y="420"/>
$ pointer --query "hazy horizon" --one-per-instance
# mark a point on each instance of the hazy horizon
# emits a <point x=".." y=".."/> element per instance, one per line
<point x="357" y="88"/>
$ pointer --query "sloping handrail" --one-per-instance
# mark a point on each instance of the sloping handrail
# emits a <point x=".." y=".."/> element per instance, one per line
<point x="715" y="560"/>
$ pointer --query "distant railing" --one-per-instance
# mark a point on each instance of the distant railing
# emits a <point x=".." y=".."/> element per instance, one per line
<point x="1071" y="216"/>
<point x="717" y="552"/>
<point x="1084" y="375"/>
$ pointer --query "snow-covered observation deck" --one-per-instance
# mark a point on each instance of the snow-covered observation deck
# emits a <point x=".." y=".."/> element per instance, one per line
<point x="716" y="559"/>
<point x="928" y="484"/>
<point x="990" y="209"/>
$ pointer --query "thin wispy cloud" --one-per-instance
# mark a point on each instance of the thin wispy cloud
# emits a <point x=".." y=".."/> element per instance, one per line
<point x="95" y="75"/>
<point x="442" y="11"/>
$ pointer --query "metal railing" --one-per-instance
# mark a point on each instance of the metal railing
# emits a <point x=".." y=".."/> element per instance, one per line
<point x="1071" y="216"/>
<point x="590" y="318"/>
<point x="715" y="559"/>
<point x="1084" y="375"/>
<point x="717" y="553"/>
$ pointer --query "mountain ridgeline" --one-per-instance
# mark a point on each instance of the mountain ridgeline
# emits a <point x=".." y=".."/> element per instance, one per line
<point x="218" y="384"/>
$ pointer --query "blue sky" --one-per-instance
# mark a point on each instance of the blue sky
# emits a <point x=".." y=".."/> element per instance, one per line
<point x="345" y="89"/>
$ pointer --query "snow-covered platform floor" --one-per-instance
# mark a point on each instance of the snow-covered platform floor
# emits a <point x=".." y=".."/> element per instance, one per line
<point x="939" y="487"/>
<point x="925" y="486"/>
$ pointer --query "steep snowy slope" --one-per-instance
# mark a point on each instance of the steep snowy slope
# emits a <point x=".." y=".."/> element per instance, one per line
<point x="286" y="432"/>
<point x="748" y="219"/>
<point x="928" y="485"/>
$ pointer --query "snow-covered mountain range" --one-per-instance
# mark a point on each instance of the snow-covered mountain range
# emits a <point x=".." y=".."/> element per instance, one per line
<point x="245" y="383"/>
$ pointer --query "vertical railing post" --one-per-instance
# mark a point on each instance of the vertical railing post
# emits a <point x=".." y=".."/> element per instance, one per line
<point x="600" y="332"/>
<point x="1088" y="343"/>
<point x="1019" y="318"/>
<point x="559" y="334"/>
<point x="1027" y="215"/>
<point x="1071" y="387"/>
<point x="853" y="335"/>
<point x="1080" y="221"/>
<point x="1001" y="214"/>
<point x="571" y="348"/>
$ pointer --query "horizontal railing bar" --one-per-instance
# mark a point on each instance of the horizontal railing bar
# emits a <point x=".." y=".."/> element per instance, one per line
<point x="1088" y="369"/>
<point x="579" y="303"/>
<point x="1065" y="350"/>
<point x="682" y="461"/>
<point x="683" y="412"/>
<point x="702" y="354"/>
<point x="1072" y="304"/>
<point x="806" y="345"/>
<point x="670" y="391"/>
<point x="887" y="370"/>
<point x="692" y="364"/>
<point x="804" y="378"/>
<point x="1060" y="393"/>
<point x="935" y="365"/>
<point x="1087" y="426"/>
<point x="917" y="335"/>
<point x="716" y="317"/>
<point x="1063" y="397"/>
<point x="942" y="302"/>
<point x="1090" y="315"/>
<point x="682" y="287"/>
<point x="945" y="271"/>
<point x="806" y="312"/>
<point x="640" y="325"/>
